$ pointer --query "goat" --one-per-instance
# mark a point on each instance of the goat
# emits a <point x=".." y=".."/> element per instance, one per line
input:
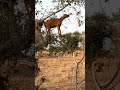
<point x="52" y="23"/>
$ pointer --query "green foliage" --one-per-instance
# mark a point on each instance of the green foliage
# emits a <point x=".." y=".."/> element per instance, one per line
<point x="38" y="1"/>
<point x="62" y="2"/>
<point x="96" y="30"/>
<point x="98" y="27"/>
<point x="66" y="43"/>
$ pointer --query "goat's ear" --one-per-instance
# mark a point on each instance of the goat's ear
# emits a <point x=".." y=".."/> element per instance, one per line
<point x="65" y="14"/>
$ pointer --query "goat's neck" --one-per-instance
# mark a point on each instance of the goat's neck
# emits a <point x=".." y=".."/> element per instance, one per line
<point x="62" y="18"/>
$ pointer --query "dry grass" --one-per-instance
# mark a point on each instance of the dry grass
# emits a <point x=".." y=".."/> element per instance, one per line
<point x="60" y="72"/>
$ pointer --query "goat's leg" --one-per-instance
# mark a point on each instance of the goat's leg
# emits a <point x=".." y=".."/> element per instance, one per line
<point x="48" y="31"/>
<point x="59" y="31"/>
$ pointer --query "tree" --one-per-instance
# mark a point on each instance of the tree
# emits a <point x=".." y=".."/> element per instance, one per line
<point x="97" y="24"/>
<point x="67" y="43"/>
<point x="17" y="38"/>
<point x="64" y="43"/>
<point x="60" y="8"/>
<point x="15" y="34"/>
<point x="106" y="28"/>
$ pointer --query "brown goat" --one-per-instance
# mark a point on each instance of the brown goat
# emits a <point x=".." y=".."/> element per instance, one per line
<point x="52" y="23"/>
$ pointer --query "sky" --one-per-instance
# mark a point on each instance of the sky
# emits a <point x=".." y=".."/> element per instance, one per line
<point x="94" y="5"/>
<point x="70" y="24"/>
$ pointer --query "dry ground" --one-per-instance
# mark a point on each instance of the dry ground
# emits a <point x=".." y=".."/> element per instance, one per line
<point x="60" y="72"/>
<point x="109" y="68"/>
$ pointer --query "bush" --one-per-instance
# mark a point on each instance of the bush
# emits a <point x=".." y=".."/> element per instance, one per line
<point x="66" y="43"/>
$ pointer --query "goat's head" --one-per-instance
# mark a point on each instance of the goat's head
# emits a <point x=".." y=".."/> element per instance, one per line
<point x="65" y="15"/>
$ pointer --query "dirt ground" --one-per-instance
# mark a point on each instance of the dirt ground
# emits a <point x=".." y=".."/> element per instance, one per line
<point x="21" y="76"/>
<point x="61" y="72"/>
<point x="104" y="75"/>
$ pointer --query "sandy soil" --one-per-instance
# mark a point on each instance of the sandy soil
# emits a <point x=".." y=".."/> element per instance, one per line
<point x="60" y="71"/>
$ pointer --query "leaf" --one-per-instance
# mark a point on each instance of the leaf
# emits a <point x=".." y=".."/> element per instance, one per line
<point x="78" y="13"/>
<point x="79" y="22"/>
<point x="62" y="2"/>
<point x="54" y="1"/>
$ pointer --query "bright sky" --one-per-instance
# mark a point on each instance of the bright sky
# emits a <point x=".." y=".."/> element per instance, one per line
<point x="69" y="24"/>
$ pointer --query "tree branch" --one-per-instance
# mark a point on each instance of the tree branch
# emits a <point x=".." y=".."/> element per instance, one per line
<point x="116" y="72"/>
<point x="59" y="10"/>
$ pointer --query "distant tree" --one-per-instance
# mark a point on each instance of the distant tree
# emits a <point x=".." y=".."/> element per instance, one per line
<point x="96" y="30"/>
<point x="66" y="43"/>
<point x="98" y="27"/>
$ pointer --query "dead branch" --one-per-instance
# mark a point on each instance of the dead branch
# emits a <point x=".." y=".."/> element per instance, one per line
<point x="77" y="65"/>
